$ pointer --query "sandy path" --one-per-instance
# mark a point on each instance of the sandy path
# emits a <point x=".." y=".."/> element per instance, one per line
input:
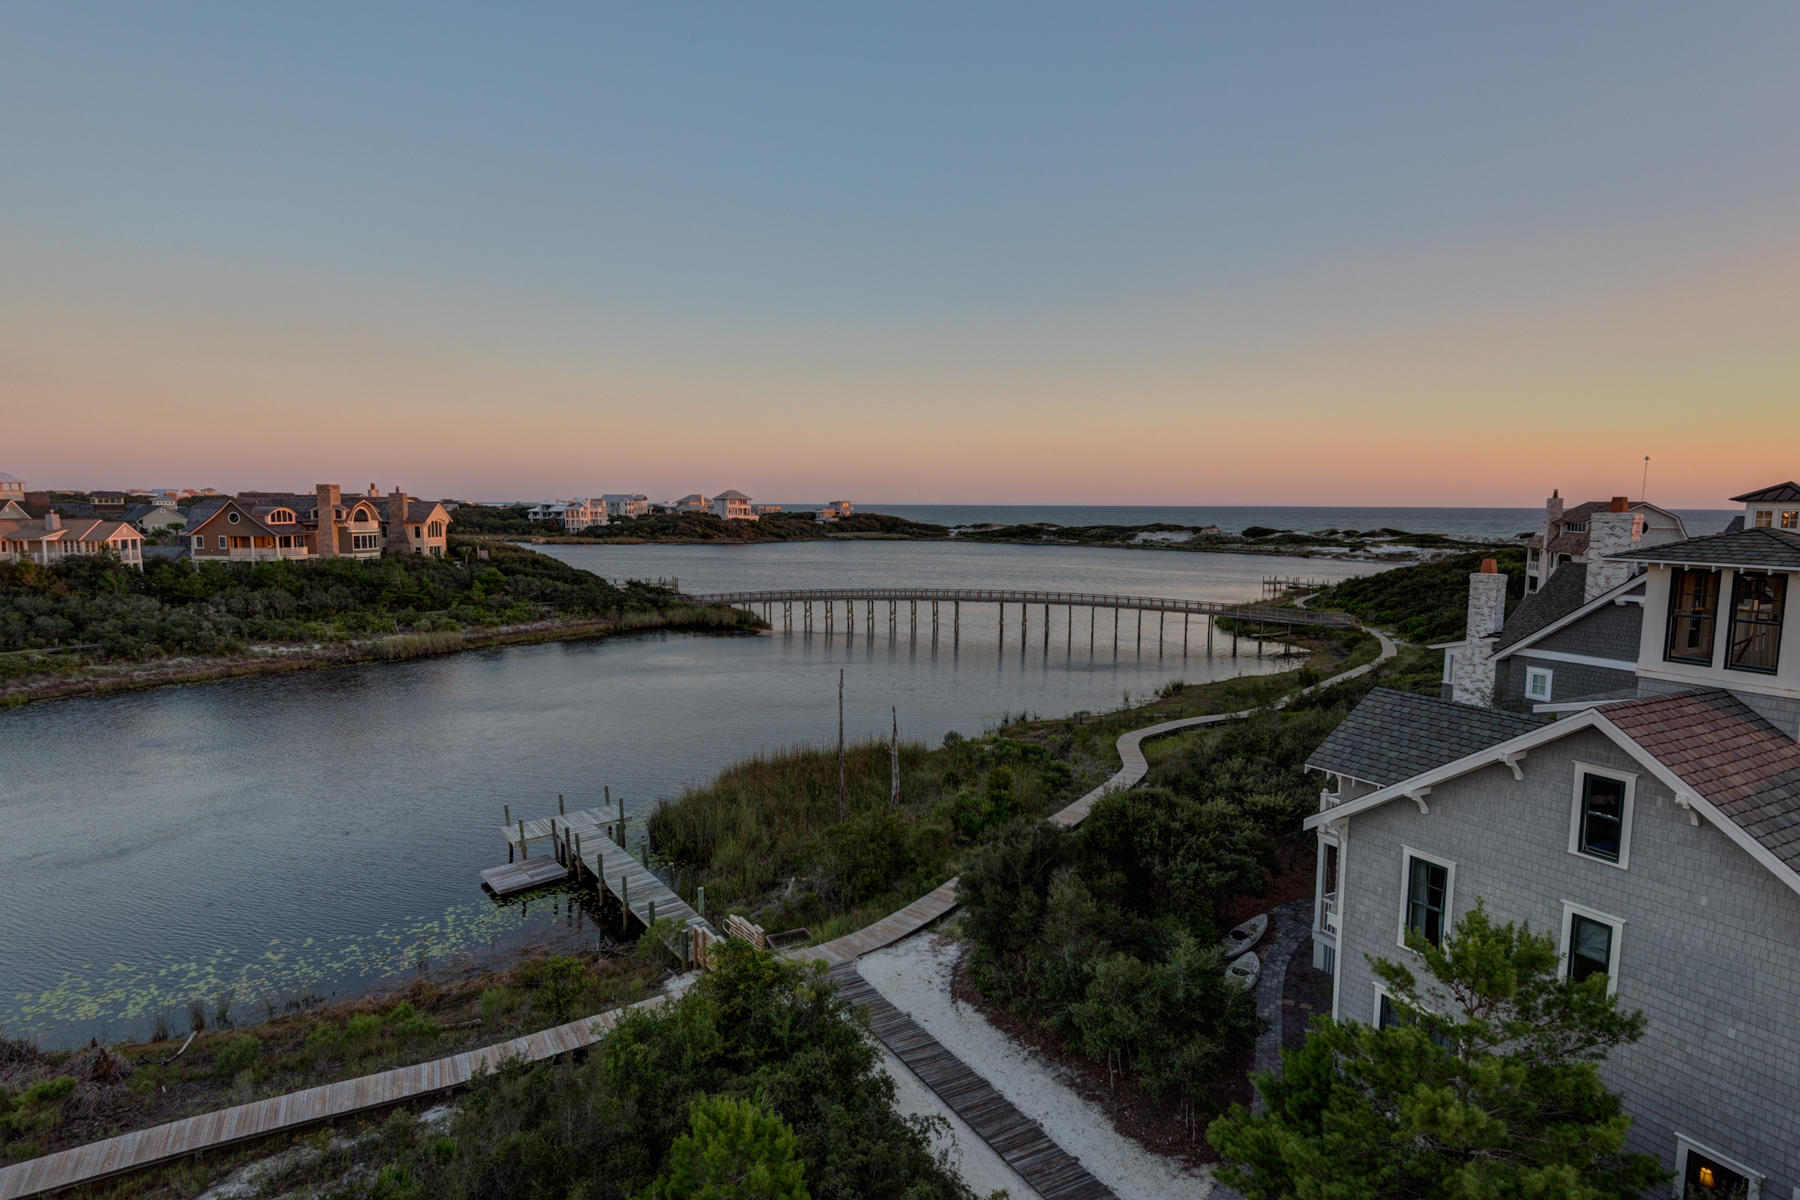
<point x="915" y="976"/>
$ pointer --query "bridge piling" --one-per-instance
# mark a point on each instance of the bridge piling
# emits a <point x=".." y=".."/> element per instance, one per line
<point x="1091" y="612"/>
<point x="1159" y="633"/>
<point x="1140" y="633"/>
<point x="1115" y="631"/>
<point x="1046" y="629"/>
<point x="1069" y="631"/>
<point x="1024" y="623"/>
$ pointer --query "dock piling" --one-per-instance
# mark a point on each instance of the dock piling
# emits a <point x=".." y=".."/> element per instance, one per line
<point x="524" y="846"/>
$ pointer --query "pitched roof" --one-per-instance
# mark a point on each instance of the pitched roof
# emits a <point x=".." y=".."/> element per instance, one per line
<point x="1774" y="492"/>
<point x="1745" y="767"/>
<point x="1393" y="735"/>
<point x="1735" y="525"/>
<point x="730" y="494"/>
<point x="1779" y="548"/>
<point x="5" y="478"/>
<point x="1559" y="597"/>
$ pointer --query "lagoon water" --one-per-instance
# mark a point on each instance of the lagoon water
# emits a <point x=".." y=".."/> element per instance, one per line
<point x="322" y="832"/>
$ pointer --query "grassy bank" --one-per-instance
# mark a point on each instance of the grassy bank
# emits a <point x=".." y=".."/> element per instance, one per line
<point x="91" y="625"/>
<point x="768" y="838"/>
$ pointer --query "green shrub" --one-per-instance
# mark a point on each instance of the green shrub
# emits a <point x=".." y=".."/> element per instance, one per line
<point x="407" y="1022"/>
<point x="362" y="1026"/>
<point x="496" y="1002"/>
<point x="38" y="1107"/>
<point x="238" y="1054"/>
<point x="565" y="981"/>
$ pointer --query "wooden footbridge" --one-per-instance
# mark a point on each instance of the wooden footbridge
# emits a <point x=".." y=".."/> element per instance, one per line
<point x="1263" y="616"/>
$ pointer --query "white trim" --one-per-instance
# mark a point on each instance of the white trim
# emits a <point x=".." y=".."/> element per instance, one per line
<point x="1571" y="910"/>
<point x="1407" y="854"/>
<point x="1629" y="779"/>
<point x="1575" y="614"/>
<point x="1592" y="718"/>
<point x="1381" y="993"/>
<point x="1532" y="675"/>
<point x="1684" y="1143"/>
<point x="1628" y="665"/>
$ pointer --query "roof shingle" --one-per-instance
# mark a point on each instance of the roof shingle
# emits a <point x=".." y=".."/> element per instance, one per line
<point x="1393" y="735"/>
<point x="1777" y="548"/>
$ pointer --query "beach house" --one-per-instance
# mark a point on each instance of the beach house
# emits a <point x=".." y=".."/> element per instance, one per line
<point x="1653" y="831"/>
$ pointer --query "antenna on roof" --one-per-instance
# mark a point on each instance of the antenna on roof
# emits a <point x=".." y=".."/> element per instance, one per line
<point x="1644" y="484"/>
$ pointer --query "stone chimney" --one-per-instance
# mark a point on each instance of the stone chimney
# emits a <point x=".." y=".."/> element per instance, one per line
<point x="1472" y="677"/>
<point x="1614" y="531"/>
<point x="329" y="498"/>
<point x="1553" y="511"/>
<point x="398" y="540"/>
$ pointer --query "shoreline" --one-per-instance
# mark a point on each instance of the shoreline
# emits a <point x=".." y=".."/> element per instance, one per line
<point x="405" y="647"/>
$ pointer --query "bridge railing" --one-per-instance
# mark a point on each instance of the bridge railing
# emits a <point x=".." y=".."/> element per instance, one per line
<point x="1267" y="614"/>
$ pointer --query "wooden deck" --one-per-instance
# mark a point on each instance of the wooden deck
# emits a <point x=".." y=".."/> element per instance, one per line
<point x="1052" y="1171"/>
<point x="517" y="877"/>
<point x="546" y="829"/>
<point x="637" y="887"/>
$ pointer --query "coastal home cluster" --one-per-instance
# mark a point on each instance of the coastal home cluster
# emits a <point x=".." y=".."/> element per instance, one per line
<point x="584" y="512"/>
<point x="34" y="531"/>
<point x="1616" y="763"/>
<point x="265" y="526"/>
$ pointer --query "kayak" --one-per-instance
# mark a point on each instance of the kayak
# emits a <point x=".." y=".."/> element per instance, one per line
<point x="1244" y="936"/>
<point x="1245" y="968"/>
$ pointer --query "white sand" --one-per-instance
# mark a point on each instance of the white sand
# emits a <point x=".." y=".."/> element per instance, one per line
<point x="915" y="976"/>
<point x="973" y="1159"/>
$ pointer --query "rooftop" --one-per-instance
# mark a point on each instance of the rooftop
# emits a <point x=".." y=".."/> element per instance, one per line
<point x="1393" y="735"/>
<point x="1774" y="493"/>
<point x="1778" y="548"/>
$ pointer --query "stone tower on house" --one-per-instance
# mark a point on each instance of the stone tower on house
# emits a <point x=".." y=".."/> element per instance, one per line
<point x="1472" y="672"/>
<point x="398" y="541"/>
<point x="330" y="497"/>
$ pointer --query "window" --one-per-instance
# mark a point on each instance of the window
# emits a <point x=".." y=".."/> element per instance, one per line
<point x="1590" y="944"/>
<point x="1385" y="1017"/>
<point x="1790" y="518"/>
<point x="1600" y="826"/>
<point x="232" y="517"/>
<point x="1693" y="614"/>
<point x="1756" y="603"/>
<point x="1765" y="517"/>
<point x="199" y="543"/>
<point x="1701" y="1174"/>
<point x="1426" y="884"/>
<point x="221" y="541"/>
<point x="1537" y="683"/>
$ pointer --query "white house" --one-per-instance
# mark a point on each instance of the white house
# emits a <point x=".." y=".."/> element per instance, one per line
<point x="835" y="511"/>
<point x="626" y="504"/>
<point x="51" y="539"/>
<point x="582" y="513"/>
<point x="731" y="505"/>
<point x="155" y="516"/>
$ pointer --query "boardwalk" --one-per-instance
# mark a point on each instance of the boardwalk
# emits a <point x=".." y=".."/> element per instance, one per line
<point x="298" y="1110"/>
<point x="1263" y="613"/>
<point x="1020" y="1141"/>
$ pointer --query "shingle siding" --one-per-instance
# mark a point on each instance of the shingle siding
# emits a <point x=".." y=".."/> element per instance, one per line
<point x="1610" y="631"/>
<point x="1568" y="681"/>
<point x="1710" y="950"/>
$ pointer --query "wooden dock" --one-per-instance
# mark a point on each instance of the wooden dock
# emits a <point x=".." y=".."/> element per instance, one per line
<point x="1021" y="1142"/>
<point x="517" y="877"/>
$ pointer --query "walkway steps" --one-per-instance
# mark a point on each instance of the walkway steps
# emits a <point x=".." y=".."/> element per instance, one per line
<point x="1053" y="1172"/>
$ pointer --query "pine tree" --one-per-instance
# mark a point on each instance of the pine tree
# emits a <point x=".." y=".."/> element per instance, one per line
<point x="735" y="1149"/>
<point x="1486" y="1086"/>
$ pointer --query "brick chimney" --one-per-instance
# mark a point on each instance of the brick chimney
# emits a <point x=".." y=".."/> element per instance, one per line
<point x="329" y="499"/>
<point x="1472" y="676"/>
<point x="399" y="541"/>
<point x="1553" y="511"/>
<point x="1614" y="531"/>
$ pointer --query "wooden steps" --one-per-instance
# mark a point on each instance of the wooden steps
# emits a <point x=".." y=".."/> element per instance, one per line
<point x="1021" y="1142"/>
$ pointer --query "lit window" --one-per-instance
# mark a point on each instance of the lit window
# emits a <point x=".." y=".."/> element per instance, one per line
<point x="1537" y="683"/>
<point x="1601" y="823"/>
<point x="1756" y="604"/>
<point x="1765" y="517"/>
<point x="1790" y="519"/>
<point x="1704" y="1173"/>
<point x="1693" y="615"/>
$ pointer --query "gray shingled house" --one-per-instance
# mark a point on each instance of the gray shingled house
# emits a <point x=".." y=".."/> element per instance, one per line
<point x="1656" y="836"/>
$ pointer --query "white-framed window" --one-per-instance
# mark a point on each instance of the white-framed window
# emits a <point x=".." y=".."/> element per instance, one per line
<point x="232" y="517"/>
<point x="1600" y="814"/>
<point x="199" y="543"/>
<point x="1426" y="887"/>
<point x="1700" y="1171"/>
<point x="1790" y="518"/>
<point x="1537" y="683"/>
<point x="1449" y="665"/>
<point x="1590" y="943"/>
<point x="221" y="541"/>
<point x="1765" y="517"/>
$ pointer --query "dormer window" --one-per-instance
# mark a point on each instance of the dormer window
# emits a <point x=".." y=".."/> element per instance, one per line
<point x="1765" y="517"/>
<point x="1576" y="527"/>
<point x="1756" y="604"/>
<point x="1790" y="518"/>
<point x="1693" y="616"/>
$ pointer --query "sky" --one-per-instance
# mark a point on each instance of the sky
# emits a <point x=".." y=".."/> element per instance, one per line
<point x="1306" y="253"/>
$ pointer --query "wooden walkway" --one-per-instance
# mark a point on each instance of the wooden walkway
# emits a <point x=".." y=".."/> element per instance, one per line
<point x="517" y="877"/>
<point x="1022" y="1142"/>
<point x="1265" y="613"/>
<point x="298" y="1110"/>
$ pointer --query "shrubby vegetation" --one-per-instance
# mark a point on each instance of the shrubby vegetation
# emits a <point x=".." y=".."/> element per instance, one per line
<point x="759" y="1069"/>
<point x="1425" y="603"/>
<point x="114" y="612"/>
<point x="1504" y="1099"/>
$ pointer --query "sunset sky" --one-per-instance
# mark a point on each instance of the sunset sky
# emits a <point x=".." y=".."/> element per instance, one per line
<point x="1309" y="253"/>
